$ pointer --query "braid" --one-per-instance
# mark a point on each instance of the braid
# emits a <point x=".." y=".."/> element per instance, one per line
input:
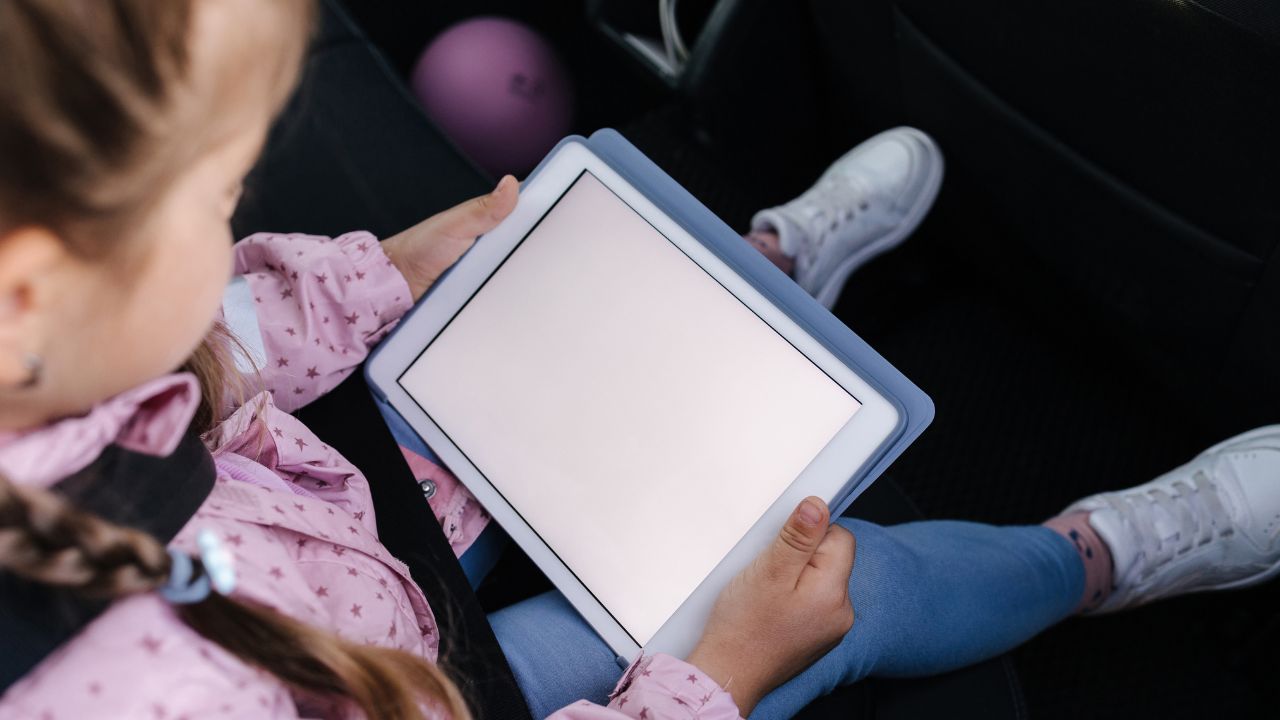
<point x="46" y="539"/>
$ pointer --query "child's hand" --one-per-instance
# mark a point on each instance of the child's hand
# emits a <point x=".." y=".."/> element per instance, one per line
<point x="423" y="252"/>
<point x="784" y="612"/>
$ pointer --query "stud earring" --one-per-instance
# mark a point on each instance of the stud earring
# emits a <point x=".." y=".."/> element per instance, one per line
<point x="35" y="368"/>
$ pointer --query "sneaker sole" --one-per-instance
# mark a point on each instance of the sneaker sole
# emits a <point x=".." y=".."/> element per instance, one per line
<point x="1255" y="579"/>
<point x="830" y="291"/>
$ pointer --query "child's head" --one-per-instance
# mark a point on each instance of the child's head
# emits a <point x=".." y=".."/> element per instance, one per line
<point x="125" y="129"/>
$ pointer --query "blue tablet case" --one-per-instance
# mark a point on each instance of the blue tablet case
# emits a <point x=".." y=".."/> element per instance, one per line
<point x="915" y="409"/>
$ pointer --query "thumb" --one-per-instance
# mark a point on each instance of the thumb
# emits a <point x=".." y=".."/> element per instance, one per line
<point x="797" y="541"/>
<point x="478" y="215"/>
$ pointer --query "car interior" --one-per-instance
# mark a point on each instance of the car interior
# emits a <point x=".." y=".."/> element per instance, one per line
<point x="1090" y="303"/>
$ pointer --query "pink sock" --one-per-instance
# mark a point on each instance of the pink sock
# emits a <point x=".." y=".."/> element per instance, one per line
<point x="1094" y="553"/>
<point x="766" y="241"/>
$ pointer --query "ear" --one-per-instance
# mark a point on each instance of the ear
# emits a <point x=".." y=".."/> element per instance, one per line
<point x="29" y="257"/>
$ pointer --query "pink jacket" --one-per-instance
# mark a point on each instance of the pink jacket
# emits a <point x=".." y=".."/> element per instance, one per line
<point x="297" y="515"/>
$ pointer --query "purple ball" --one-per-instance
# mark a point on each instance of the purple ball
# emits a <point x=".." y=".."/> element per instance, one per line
<point x="498" y="90"/>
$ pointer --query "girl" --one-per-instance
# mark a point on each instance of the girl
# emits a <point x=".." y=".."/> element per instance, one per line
<point x="125" y="127"/>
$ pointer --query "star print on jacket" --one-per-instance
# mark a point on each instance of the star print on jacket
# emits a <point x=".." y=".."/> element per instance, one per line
<point x="297" y="516"/>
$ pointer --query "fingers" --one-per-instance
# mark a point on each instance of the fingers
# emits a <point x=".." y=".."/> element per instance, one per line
<point x="797" y="542"/>
<point x="832" y="562"/>
<point x="478" y="215"/>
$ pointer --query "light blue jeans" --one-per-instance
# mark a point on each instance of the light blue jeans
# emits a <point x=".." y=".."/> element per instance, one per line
<point x="928" y="597"/>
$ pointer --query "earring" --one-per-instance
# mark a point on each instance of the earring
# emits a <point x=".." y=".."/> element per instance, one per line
<point x="35" y="367"/>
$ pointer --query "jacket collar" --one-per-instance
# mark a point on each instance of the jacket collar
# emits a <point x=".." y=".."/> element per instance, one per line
<point x="150" y="419"/>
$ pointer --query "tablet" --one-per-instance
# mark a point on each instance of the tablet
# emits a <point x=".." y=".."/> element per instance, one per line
<point x="635" y="414"/>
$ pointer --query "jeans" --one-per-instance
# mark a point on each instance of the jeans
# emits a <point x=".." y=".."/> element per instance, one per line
<point x="928" y="597"/>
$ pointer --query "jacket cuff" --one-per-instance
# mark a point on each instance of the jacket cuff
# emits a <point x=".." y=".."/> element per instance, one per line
<point x="388" y="293"/>
<point x="661" y="686"/>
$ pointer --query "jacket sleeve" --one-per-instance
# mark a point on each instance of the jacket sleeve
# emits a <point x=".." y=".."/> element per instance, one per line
<point x="658" y="687"/>
<point x="307" y="309"/>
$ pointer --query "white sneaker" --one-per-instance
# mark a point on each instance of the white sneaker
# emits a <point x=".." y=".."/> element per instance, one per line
<point x="867" y="202"/>
<point x="1212" y="524"/>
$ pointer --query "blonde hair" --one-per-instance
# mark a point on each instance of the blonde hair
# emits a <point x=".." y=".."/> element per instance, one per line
<point x="86" y="101"/>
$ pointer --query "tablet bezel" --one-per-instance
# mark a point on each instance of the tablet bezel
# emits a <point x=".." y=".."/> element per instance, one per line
<point x="853" y="446"/>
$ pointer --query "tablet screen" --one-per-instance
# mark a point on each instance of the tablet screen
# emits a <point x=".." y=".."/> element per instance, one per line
<point x="637" y="415"/>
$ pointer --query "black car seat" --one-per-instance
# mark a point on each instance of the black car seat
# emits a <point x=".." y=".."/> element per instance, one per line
<point x="1130" y="149"/>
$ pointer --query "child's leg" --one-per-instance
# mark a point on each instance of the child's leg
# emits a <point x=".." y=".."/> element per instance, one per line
<point x="767" y="242"/>
<point x="934" y="596"/>
<point x="556" y="657"/>
<point x="929" y="597"/>
<point x="866" y="203"/>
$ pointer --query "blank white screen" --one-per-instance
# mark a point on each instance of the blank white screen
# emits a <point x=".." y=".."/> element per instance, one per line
<point x="636" y="414"/>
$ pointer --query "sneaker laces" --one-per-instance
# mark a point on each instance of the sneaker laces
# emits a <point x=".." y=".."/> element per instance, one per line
<point x="1193" y="512"/>
<point x="828" y="205"/>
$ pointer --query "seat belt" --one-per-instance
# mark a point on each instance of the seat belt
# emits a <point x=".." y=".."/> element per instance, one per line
<point x="157" y="495"/>
<point x="348" y="420"/>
